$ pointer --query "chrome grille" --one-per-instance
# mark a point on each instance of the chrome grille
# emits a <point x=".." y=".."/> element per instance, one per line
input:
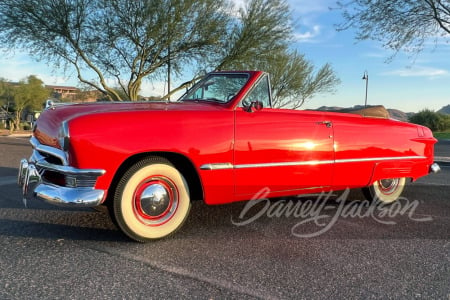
<point x="51" y="158"/>
<point x="52" y="164"/>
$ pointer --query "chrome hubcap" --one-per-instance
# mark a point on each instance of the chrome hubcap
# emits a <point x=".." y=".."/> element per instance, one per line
<point x="388" y="186"/>
<point x="156" y="201"/>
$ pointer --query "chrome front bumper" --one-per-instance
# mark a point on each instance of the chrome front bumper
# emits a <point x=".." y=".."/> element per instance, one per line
<point x="35" y="186"/>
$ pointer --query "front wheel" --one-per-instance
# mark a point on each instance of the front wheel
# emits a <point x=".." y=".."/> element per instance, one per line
<point x="151" y="200"/>
<point x="385" y="190"/>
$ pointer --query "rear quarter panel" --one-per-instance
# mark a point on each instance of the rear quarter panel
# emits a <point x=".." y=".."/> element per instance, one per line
<point x="369" y="149"/>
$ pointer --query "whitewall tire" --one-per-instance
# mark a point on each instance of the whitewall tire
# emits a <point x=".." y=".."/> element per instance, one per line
<point x="385" y="190"/>
<point x="151" y="200"/>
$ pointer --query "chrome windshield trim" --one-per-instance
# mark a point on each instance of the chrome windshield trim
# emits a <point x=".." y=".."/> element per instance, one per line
<point x="222" y="166"/>
<point x="50" y="150"/>
<point x="204" y="78"/>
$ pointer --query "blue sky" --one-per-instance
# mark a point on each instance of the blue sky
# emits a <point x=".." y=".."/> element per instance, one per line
<point x="405" y="83"/>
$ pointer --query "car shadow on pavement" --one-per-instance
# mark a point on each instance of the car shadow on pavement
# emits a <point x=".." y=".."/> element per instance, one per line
<point x="29" y="229"/>
<point x="316" y="218"/>
<point x="420" y="215"/>
<point x="8" y="172"/>
<point x="55" y="225"/>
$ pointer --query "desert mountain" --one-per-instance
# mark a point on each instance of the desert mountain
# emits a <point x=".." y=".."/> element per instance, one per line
<point x="445" y="110"/>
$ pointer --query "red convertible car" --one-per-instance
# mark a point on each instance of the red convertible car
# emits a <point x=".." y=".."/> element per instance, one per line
<point x="221" y="142"/>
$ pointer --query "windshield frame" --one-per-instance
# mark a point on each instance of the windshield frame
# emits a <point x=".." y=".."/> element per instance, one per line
<point x="190" y="94"/>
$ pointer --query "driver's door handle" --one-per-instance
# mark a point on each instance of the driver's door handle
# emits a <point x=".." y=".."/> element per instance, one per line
<point x="326" y="123"/>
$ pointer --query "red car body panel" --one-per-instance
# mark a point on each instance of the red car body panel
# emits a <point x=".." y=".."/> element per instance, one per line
<point x="236" y="153"/>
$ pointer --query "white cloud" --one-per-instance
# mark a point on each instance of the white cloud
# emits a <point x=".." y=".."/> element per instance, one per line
<point x="154" y="88"/>
<point x="239" y="3"/>
<point x="302" y="7"/>
<point x="308" y="36"/>
<point x="307" y="7"/>
<point x="380" y="54"/>
<point x="312" y="20"/>
<point x="417" y="71"/>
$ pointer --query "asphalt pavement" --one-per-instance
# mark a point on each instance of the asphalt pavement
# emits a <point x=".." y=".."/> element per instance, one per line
<point x="442" y="152"/>
<point x="339" y="250"/>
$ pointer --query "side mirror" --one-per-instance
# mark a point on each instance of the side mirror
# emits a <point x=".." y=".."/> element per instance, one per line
<point x="49" y="103"/>
<point x="253" y="106"/>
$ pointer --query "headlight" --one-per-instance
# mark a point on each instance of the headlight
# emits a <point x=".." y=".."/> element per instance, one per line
<point x="63" y="136"/>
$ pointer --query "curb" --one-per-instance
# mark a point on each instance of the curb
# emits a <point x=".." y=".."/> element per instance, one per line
<point x="444" y="161"/>
<point x="443" y="164"/>
<point x="16" y="135"/>
<point x="20" y="135"/>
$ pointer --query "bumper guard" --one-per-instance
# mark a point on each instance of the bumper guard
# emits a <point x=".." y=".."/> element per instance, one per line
<point x="35" y="187"/>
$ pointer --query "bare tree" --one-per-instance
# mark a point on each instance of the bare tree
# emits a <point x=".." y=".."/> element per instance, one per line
<point x="397" y="24"/>
<point x="120" y="39"/>
<point x="295" y="80"/>
<point x="265" y="21"/>
<point x="258" y="30"/>
<point x="115" y="44"/>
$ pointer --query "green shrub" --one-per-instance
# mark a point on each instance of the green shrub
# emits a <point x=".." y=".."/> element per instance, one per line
<point x="442" y="135"/>
<point x="431" y="119"/>
<point x="25" y="126"/>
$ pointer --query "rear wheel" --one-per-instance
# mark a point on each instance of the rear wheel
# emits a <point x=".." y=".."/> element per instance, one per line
<point x="151" y="200"/>
<point x="385" y="190"/>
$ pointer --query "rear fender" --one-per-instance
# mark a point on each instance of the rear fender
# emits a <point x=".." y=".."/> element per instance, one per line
<point x="398" y="169"/>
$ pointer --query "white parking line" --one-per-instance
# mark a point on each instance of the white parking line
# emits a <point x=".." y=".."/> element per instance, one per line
<point x="8" y="180"/>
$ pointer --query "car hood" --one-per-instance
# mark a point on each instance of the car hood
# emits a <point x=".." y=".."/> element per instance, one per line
<point x="49" y="122"/>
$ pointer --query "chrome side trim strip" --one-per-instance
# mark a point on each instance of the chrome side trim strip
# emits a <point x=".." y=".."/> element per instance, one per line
<point x="285" y="164"/>
<point x="222" y="166"/>
<point x="217" y="166"/>
<point x="378" y="158"/>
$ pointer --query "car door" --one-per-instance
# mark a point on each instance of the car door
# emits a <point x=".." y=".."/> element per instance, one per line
<point x="286" y="151"/>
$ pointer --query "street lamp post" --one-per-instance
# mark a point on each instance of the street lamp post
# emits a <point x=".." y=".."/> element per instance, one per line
<point x="168" y="73"/>
<point x="366" y="78"/>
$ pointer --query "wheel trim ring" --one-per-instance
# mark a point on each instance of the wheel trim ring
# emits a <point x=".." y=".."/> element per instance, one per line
<point x="164" y="217"/>
<point x="140" y="191"/>
<point x="390" y="188"/>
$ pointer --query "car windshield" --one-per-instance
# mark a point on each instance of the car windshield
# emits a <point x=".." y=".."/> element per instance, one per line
<point x="218" y="87"/>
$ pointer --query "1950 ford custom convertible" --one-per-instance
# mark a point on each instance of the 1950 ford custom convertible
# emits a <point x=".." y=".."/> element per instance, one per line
<point x="221" y="142"/>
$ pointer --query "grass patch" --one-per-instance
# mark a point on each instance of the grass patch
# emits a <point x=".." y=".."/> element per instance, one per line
<point x="443" y="135"/>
